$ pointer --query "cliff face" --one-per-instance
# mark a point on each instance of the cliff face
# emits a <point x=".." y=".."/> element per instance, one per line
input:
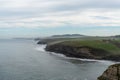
<point x="112" y="73"/>
<point x="112" y="58"/>
<point x="79" y="52"/>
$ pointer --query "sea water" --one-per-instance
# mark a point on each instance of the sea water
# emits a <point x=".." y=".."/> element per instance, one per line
<point x="25" y="60"/>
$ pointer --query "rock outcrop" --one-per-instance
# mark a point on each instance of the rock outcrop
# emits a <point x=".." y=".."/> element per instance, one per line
<point x="41" y="42"/>
<point x="112" y="73"/>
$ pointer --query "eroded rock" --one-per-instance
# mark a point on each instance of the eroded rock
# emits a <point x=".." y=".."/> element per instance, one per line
<point x="112" y="73"/>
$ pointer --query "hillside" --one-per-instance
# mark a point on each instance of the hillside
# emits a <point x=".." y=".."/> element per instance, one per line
<point x="68" y="36"/>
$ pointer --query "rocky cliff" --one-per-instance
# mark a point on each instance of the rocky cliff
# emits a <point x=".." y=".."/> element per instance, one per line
<point x="112" y="73"/>
<point x="78" y="52"/>
<point x="82" y="52"/>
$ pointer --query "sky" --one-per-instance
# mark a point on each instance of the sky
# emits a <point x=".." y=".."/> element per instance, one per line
<point x="39" y="18"/>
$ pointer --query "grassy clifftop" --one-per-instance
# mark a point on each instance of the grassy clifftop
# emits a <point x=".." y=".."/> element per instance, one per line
<point x="93" y="49"/>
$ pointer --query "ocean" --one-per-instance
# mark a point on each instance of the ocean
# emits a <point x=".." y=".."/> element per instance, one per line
<point x="26" y="60"/>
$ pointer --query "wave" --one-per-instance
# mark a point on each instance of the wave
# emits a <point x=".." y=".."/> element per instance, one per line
<point x="41" y="48"/>
<point x="81" y="59"/>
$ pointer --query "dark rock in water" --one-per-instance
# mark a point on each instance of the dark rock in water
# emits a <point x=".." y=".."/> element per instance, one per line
<point x="42" y="42"/>
<point x="112" y="73"/>
<point x="78" y="52"/>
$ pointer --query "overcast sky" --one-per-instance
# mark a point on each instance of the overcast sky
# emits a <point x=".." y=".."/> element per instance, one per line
<point x="32" y="18"/>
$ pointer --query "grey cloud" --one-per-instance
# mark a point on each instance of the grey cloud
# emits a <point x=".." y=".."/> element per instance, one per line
<point x="34" y="7"/>
<point x="12" y="10"/>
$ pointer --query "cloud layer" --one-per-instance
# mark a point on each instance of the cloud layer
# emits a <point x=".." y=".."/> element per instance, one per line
<point x="54" y="13"/>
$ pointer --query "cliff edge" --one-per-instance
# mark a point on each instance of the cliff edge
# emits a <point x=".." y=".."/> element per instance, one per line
<point x="112" y="73"/>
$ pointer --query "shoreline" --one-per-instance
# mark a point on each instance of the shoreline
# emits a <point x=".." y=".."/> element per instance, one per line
<point x="83" y="52"/>
<point x="82" y="59"/>
<point x="73" y="58"/>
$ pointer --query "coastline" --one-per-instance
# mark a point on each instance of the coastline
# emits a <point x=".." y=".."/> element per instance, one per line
<point x="42" y="47"/>
<point x="103" y="76"/>
<point x="83" y="52"/>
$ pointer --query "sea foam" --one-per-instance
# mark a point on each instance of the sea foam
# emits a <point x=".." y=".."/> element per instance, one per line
<point x="40" y="48"/>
